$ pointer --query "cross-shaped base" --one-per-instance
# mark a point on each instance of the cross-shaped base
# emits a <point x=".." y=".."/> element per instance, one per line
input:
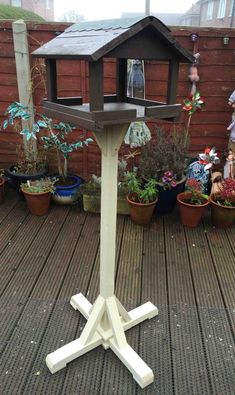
<point x="107" y="321"/>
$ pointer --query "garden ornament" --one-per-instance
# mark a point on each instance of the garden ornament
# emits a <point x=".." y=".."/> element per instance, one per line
<point x="231" y="127"/>
<point x="193" y="74"/>
<point x="229" y="167"/>
<point x="138" y="134"/>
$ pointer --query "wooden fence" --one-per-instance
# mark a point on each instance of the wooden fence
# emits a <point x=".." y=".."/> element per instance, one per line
<point x="217" y="81"/>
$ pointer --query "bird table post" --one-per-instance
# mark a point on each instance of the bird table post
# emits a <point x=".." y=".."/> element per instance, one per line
<point x="107" y="319"/>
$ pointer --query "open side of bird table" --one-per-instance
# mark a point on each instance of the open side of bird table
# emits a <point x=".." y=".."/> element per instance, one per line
<point x="107" y="319"/>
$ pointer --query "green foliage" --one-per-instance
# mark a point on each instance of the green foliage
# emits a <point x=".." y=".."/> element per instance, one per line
<point x="92" y="187"/>
<point x="196" y="196"/>
<point x="168" y="152"/>
<point x="39" y="186"/>
<point x="56" y="137"/>
<point x="139" y="191"/>
<point x="9" y="12"/>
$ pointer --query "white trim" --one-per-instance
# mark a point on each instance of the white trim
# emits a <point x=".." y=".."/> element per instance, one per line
<point x="16" y="3"/>
<point x="222" y="9"/>
<point x="231" y="8"/>
<point x="210" y="9"/>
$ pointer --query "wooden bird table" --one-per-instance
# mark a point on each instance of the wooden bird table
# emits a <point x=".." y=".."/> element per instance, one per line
<point x="107" y="319"/>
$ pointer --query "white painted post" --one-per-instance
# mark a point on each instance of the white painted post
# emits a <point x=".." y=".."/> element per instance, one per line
<point x="24" y="79"/>
<point x="109" y="141"/>
<point x="107" y="319"/>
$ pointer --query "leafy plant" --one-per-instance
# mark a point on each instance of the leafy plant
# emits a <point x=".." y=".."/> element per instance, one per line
<point x="92" y="187"/>
<point x="39" y="186"/>
<point x="226" y="196"/>
<point x="56" y="138"/>
<point x="196" y="197"/>
<point x="139" y="191"/>
<point x="166" y="153"/>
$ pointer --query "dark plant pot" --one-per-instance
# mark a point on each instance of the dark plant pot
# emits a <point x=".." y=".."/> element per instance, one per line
<point x="222" y="216"/>
<point x="190" y="214"/>
<point x="167" y="197"/>
<point x="15" y="179"/>
<point x="141" y="213"/>
<point x="91" y="203"/>
<point x="2" y="189"/>
<point x="67" y="194"/>
<point x="38" y="203"/>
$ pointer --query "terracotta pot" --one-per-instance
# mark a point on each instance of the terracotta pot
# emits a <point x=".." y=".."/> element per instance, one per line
<point x="38" y="203"/>
<point x="141" y="213"/>
<point x="221" y="216"/>
<point x="190" y="214"/>
<point x="2" y="188"/>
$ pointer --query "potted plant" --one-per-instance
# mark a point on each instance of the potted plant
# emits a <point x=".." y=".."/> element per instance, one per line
<point x="165" y="159"/>
<point x="55" y="135"/>
<point x="192" y="203"/>
<point x="31" y="164"/>
<point x="91" y="194"/>
<point x="2" y="185"/>
<point x="38" y="194"/>
<point x="142" y="198"/>
<point x="223" y="204"/>
<point x="67" y="186"/>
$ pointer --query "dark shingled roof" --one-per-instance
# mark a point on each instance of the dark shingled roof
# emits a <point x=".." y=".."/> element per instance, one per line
<point x="94" y="40"/>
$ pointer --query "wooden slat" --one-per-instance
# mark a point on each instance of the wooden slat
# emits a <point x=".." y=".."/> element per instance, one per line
<point x="9" y="201"/>
<point x="11" y="223"/>
<point x="155" y="342"/>
<point x="19" y="289"/>
<point x="215" y="326"/>
<point x="61" y="331"/>
<point x="37" y="311"/>
<point x="186" y="341"/>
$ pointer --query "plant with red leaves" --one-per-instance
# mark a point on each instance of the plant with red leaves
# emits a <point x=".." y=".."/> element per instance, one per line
<point x="195" y="188"/>
<point x="226" y="196"/>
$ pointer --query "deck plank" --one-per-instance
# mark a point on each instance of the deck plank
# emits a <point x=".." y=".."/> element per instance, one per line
<point x="64" y="321"/>
<point x="214" y="322"/>
<point x="16" y="294"/>
<point x="155" y="333"/>
<point x="189" y="364"/>
<point x="8" y="204"/>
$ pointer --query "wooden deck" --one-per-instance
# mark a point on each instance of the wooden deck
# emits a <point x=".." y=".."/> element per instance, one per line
<point x="188" y="273"/>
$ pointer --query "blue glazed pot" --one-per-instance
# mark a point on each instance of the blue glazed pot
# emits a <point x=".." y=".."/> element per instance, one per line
<point x="68" y="194"/>
<point x="167" y="198"/>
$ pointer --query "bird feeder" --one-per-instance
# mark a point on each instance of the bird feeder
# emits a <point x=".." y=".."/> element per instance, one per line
<point x="109" y="117"/>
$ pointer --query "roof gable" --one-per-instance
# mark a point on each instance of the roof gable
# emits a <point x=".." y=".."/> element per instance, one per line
<point x="94" y="40"/>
